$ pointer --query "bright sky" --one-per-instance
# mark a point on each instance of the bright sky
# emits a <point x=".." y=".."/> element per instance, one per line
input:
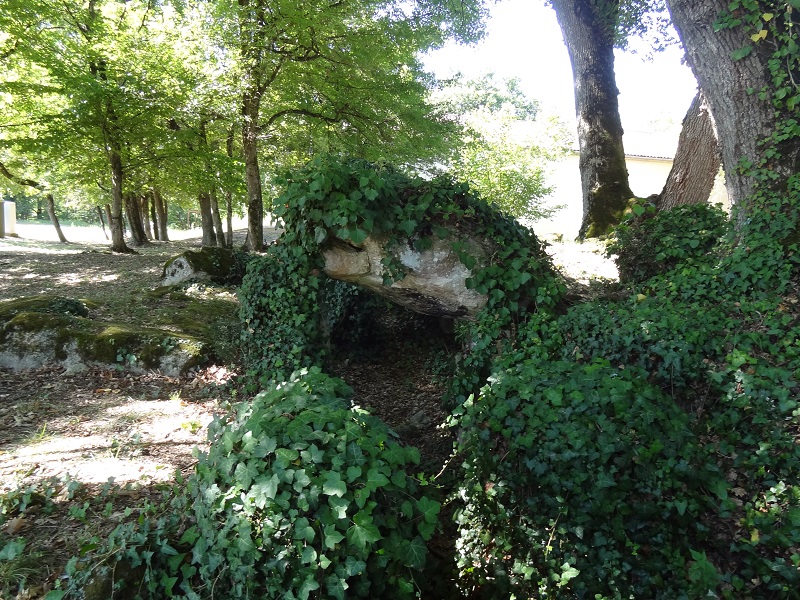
<point x="524" y="41"/>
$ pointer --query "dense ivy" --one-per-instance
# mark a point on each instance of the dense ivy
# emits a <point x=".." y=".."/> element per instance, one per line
<point x="647" y="242"/>
<point x="353" y="199"/>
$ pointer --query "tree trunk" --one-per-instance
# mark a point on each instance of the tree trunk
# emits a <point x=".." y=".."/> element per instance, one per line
<point x="51" y="211"/>
<point x="217" y="219"/>
<point x="102" y="221"/>
<point x="731" y="86"/>
<point x="115" y="220"/>
<point x="154" y="217"/>
<point x="229" y="195"/>
<point x="697" y="159"/>
<point x="144" y="201"/>
<point x="161" y="214"/>
<point x="589" y="37"/>
<point x="255" y="203"/>
<point x="138" y="236"/>
<point x="204" y="200"/>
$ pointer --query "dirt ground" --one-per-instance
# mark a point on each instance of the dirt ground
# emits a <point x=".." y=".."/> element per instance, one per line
<point x="80" y="452"/>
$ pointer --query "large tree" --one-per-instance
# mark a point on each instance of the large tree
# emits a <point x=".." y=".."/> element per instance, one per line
<point x="746" y="59"/>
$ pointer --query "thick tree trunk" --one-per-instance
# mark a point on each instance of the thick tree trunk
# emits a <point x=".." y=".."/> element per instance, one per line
<point x="161" y="215"/>
<point x="204" y="200"/>
<point x="138" y="236"/>
<point x="255" y="202"/>
<point x="144" y="202"/>
<point x="217" y="219"/>
<point x="742" y="119"/>
<point x="51" y="211"/>
<point x="697" y="159"/>
<point x="589" y="37"/>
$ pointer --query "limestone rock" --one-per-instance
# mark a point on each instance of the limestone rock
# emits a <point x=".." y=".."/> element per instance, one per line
<point x="435" y="279"/>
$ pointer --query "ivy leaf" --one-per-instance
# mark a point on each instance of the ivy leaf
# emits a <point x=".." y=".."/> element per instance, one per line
<point x="363" y="531"/>
<point x="413" y="553"/>
<point x="741" y="52"/>
<point x="357" y="236"/>
<point x="339" y="507"/>
<point x="376" y="479"/>
<point x="332" y="537"/>
<point x="334" y="486"/>
<point x="407" y="226"/>
<point x="309" y="585"/>
<point x="320" y="235"/>
<point x="429" y="509"/>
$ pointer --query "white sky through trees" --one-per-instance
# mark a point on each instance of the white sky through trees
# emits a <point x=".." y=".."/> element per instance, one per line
<point x="523" y="40"/>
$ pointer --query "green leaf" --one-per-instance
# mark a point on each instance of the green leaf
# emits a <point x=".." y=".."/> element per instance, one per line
<point x="429" y="509"/>
<point x="413" y="553"/>
<point x="339" y="507"/>
<point x="375" y="479"/>
<point x="741" y="52"/>
<point x="13" y="549"/>
<point x="333" y="485"/>
<point x="363" y="531"/>
<point x="357" y="236"/>
<point x="332" y="537"/>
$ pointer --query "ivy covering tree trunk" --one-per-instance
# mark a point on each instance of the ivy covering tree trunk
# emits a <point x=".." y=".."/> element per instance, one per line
<point x="697" y="159"/>
<point x="589" y="28"/>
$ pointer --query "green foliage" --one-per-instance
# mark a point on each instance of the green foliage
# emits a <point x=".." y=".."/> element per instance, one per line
<point x="301" y="495"/>
<point x="304" y="496"/>
<point x="505" y="150"/>
<point x="580" y="480"/>
<point x="648" y="243"/>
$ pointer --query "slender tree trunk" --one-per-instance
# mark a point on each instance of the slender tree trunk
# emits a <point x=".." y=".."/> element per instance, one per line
<point x="138" y="236"/>
<point x="144" y="201"/>
<point x="207" y="222"/>
<point x="116" y="223"/>
<point x="255" y="202"/>
<point x="51" y="204"/>
<point x="161" y="214"/>
<point x="742" y="119"/>
<point x="229" y="194"/>
<point x="589" y="36"/>
<point x="51" y="211"/>
<point x="154" y="217"/>
<point x="102" y="221"/>
<point x="697" y="159"/>
<point x="217" y="219"/>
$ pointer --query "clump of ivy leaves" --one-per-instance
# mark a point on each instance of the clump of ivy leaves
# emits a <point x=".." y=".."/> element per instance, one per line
<point x="283" y="294"/>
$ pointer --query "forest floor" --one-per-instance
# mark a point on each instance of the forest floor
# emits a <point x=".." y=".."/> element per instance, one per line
<point x="80" y="453"/>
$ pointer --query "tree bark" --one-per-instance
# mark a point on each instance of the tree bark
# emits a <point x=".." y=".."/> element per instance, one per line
<point x="229" y="195"/>
<point x="102" y="221"/>
<point x="697" y="159"/>
<point x="144" y="201"/>
<point x="217" y="219"/>
<point x="51" y="211"/>
<point x="255" y="202"/>
<point x="138" y="236"/>
<point x="589" y="37"/>
<point x="742" y="119"/>
<point x="116" y="223"/>
<point x="204" y="200"/>
<point x="161" y="214"/>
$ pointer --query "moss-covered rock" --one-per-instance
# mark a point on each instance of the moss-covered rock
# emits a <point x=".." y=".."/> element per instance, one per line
<point x="45" y="303"/>
<point x="32" y="339"/>
<point x="219" y="265"/>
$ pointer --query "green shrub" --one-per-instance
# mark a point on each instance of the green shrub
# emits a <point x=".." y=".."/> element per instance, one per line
<point x="648" y="243"/>
<point x="304" y="496"/>
<point x="581" y="481"/>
